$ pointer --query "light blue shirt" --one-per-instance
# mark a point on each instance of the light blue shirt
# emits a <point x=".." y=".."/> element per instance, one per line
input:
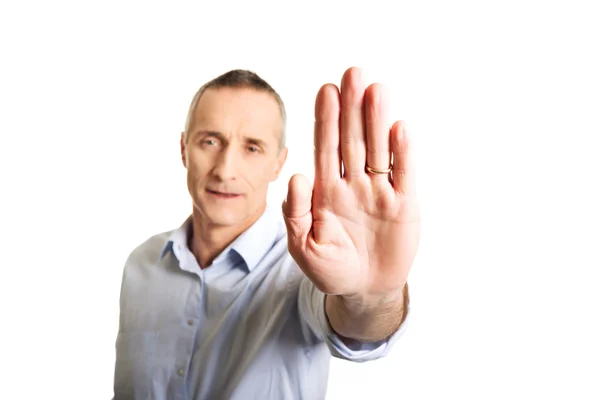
<point x="250" y="326"/>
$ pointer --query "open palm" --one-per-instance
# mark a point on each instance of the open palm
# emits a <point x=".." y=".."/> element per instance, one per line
<point x="355" y="231"/>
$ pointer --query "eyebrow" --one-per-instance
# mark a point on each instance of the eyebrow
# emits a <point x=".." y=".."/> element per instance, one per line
<point x="220" y="136"/>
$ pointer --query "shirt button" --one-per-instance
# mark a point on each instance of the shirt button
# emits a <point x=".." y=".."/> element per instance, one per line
<point x="190" y="322"/>
<point x="180" y="372"/>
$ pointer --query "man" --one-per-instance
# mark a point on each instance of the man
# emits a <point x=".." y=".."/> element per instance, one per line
<point x="242" y="303"/>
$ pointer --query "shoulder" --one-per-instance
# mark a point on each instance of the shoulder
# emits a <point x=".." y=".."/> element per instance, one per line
<point x="150" y="249"/>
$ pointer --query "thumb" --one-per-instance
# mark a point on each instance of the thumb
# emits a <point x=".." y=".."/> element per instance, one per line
<point x="296" y="210"/>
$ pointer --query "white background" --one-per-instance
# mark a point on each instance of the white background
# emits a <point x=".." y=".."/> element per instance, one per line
<point x="502" y="98"/>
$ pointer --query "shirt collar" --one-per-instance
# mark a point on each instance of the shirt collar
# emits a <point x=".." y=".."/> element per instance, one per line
<point x="177" y="239"/>
<point x="252" y="245"/>
<point x="256" y="241"/>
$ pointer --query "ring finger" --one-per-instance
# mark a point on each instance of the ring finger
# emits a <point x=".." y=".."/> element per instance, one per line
<point x="378" y="130"/>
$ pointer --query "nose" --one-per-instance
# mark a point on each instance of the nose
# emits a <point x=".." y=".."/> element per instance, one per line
<point x="226" y="165"/>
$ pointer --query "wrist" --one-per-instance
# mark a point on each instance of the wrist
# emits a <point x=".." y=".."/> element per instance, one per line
<point x="367" y="318"/>
<point x="366" y="302"/>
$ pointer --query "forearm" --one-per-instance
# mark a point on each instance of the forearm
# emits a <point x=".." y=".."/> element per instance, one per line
<point x="367" y="319"/>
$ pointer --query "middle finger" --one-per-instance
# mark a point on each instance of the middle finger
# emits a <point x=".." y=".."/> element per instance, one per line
<point x="352" y="132"/>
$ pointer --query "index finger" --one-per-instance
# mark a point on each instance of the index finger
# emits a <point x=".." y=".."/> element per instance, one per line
<point x="328" y="164"/>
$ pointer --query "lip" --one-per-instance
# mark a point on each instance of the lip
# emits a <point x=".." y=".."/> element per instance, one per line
<point x="222" y="195"/>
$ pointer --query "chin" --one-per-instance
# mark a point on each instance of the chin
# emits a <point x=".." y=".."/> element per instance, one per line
<point x="219" y="215"/>
<point x="224" y="219"/>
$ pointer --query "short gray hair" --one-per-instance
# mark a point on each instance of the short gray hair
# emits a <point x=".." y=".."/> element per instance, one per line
<point x="238" y="78"/>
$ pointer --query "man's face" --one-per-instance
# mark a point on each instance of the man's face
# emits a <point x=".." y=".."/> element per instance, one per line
<point x="232" y="154"/>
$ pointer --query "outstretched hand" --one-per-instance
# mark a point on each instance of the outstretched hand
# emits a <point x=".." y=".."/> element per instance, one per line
<point x="355" y="232"/>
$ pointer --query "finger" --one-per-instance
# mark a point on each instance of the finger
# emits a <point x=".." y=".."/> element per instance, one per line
<point x="378" y="130"/>
<point x="352" y="134"/>
<point x="296" y="209"/>
<point x="328" y="163"/>
<point x="403" y="172"/>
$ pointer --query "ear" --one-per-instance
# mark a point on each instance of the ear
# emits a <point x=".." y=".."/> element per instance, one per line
<point x="280" y="162"/>
<point x="183" y="150"/>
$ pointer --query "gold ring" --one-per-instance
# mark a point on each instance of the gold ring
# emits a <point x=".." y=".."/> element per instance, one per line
<point x="378" y="171"/>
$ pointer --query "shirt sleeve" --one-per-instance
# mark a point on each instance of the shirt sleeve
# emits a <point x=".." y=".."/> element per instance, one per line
<point x="311" y="303"/>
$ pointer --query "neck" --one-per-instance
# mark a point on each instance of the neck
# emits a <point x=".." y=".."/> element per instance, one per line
<point x="207" y="241"/>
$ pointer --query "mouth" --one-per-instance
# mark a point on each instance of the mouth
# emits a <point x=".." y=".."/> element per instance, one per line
<point x="223" y="195"/>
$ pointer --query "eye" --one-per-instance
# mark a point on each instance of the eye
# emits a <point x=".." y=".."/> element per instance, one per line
<point x="209" y="142"/>
<point x="253" y="149"/>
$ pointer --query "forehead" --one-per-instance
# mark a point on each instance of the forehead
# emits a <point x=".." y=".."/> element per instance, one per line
<point x="238" y="110"/>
